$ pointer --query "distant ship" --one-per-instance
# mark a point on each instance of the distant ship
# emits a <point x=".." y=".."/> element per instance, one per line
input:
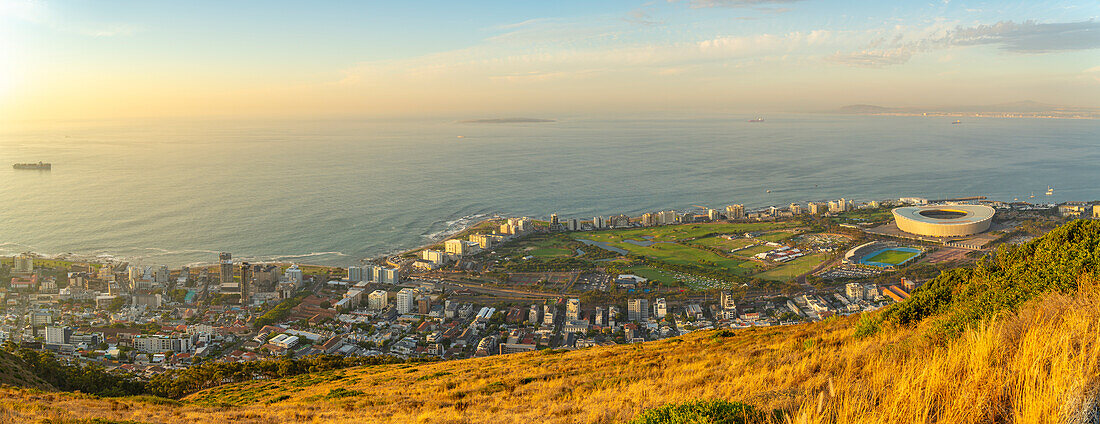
<point x="1050" y="191"/>
<point x="957" y="121"/>
<point x="757" y="120"/>
<point x="39" y="165"/>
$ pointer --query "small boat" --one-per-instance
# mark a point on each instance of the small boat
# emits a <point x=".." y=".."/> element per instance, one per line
<point x="1050" y="191"/>
<point x="957" y="121"/>
<point x="769" y="191"/>
<point x="757" y="120"/>
<point x="39" y="165"/>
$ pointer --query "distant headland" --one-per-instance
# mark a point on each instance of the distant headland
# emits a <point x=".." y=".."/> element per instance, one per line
<point x="506" y="121"/>
<point x="1023" y="109"/>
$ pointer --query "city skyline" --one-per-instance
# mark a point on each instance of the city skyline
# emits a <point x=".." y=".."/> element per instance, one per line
<point x="84" y="60"/>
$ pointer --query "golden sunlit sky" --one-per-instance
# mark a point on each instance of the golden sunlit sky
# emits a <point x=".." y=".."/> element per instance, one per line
<point x="76" y="59"/>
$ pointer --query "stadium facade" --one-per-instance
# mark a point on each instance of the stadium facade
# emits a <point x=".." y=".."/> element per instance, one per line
<point x="944" y="220"/>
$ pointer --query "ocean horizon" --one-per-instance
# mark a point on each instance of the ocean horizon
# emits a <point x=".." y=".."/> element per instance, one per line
<point x="334" y="192"/>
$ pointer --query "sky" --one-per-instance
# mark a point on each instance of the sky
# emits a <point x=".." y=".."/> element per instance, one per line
<point x="77" y="60"/>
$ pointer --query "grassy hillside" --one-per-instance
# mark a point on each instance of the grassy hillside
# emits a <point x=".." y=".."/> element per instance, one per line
<point x="1013" y="340"/>
<point x="14" y="372"/>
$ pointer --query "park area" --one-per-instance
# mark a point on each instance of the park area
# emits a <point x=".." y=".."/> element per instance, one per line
<point x="704" y="255"/>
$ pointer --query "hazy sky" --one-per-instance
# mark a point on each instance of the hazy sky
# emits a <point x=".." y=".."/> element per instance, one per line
<point x="115" y="59"/>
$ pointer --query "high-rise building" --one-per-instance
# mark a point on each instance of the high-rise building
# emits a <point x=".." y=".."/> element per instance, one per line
<point x="548" y="314"/>
<point x="161" y="275"/>
<point x="378" y="299"/>
<point x="455" y="247"/>
<point x="660" y="308"/>
<point x="406" y="299"/>
<point x="574" y="224"/>
<point x="391" y="276"/>
<point x="58" y="335"/>
<point x="225" y="267"/>
<point x="796" y="209"/>
<point x="713" y="215"/>
<point x="649" y="219"/>
<point x="599" y="222"/>
<point x="23" y="264"/>
<point x="728" y="302"/>
<point x="637" y="310"/>
<point x="817" y="208"/>
<point x="355" y="273"/>
<point x="423" y="305"/>
<point x="533" y="314"/>
<point x="246" y="282"/>
<point x="667" y="217"/>
<point x="854" y="291"/>
<point x="434" y="256"/>
<point x="294" y="275"/>
<point x="735" y="211"/>
<point x="600" y="317"/>
<point x="553" y="221"/>
<point x="573" y="309"/>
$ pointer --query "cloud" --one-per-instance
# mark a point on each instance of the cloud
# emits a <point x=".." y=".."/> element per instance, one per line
<point x="1026" y="37"/>
<point x="702" y="4"/>
<point x="874" y="58"/>
<point x="1031" y="37"/>
<point x="641" y="17"/>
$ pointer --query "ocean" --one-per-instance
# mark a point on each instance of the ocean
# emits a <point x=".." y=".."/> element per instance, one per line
<point x="335" y="192"/>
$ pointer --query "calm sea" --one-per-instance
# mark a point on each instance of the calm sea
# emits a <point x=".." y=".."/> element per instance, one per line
<point x="337" y="191"/>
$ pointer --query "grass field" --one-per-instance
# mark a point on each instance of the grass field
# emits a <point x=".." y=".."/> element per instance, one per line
<point x="793" y="268"/>
<point x="892" y="257"/>
<point x="717" y="242"/>
<point x="652" y="274"/>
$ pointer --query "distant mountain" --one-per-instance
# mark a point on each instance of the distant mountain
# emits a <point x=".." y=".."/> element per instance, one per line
<point x="506" y="121"/>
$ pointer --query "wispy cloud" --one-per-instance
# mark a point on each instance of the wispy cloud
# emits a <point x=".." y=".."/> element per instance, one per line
<point x="702" y="4"/>
<point x="1025" y="37"/>
<point x="1031" y="37"/>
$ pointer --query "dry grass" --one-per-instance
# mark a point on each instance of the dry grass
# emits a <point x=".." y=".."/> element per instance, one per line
<point x="1040" y="365"/>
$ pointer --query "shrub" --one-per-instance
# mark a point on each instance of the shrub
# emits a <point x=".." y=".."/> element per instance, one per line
<point x="704" y="412"/>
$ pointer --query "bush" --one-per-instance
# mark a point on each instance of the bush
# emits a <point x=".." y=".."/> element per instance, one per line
<point x="704" y="412"/>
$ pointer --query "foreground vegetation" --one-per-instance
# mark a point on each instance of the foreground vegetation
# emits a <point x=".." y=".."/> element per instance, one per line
<point x="1013" y="340"/>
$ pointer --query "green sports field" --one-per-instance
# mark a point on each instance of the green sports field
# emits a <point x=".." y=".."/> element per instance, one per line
<point x="892" y="257"/>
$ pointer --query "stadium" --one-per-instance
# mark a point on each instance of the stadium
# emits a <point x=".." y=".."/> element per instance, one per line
<point x="944" y="220"/>
<point x="888" y="255"/>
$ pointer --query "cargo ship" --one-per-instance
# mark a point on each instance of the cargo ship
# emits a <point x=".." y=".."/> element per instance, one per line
<point x="39" y="165"/>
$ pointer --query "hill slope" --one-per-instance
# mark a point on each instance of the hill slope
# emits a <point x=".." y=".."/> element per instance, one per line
<point x="1024" y="347"/>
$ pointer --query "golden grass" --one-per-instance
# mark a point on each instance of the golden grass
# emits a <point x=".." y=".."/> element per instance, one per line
<point x="1040" y="365"/>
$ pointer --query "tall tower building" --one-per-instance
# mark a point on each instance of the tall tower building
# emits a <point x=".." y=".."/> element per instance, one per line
<point x="225" y="267"/>
<point x="553" y="222"/>
<point x="246" y="282"/>
<point x="735" y="211"/>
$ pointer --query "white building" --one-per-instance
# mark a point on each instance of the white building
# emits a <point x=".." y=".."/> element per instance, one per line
<point x="378" y="300"/>
<point x="434" y="256"/>
<point x="406" y="300"/>
<point x="58" y="335"/>
<point x="573" y="309"/>
<point x="637" y="310"/>
<point x="660" y="308"/>
<point x="294" y="275"/>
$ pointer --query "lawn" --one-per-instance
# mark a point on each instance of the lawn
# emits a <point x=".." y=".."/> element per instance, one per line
<point x="718" y="242"/>
<point x="754" y="250"/>
<point x="680" y="232"/>
<point x="793" y="268"/>
<point x="683" y="255"/>
<point x="777" y="236"/>
<point x="892" y="257"/>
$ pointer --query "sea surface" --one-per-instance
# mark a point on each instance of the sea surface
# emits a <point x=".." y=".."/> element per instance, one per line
<point x="337" y="191"/>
